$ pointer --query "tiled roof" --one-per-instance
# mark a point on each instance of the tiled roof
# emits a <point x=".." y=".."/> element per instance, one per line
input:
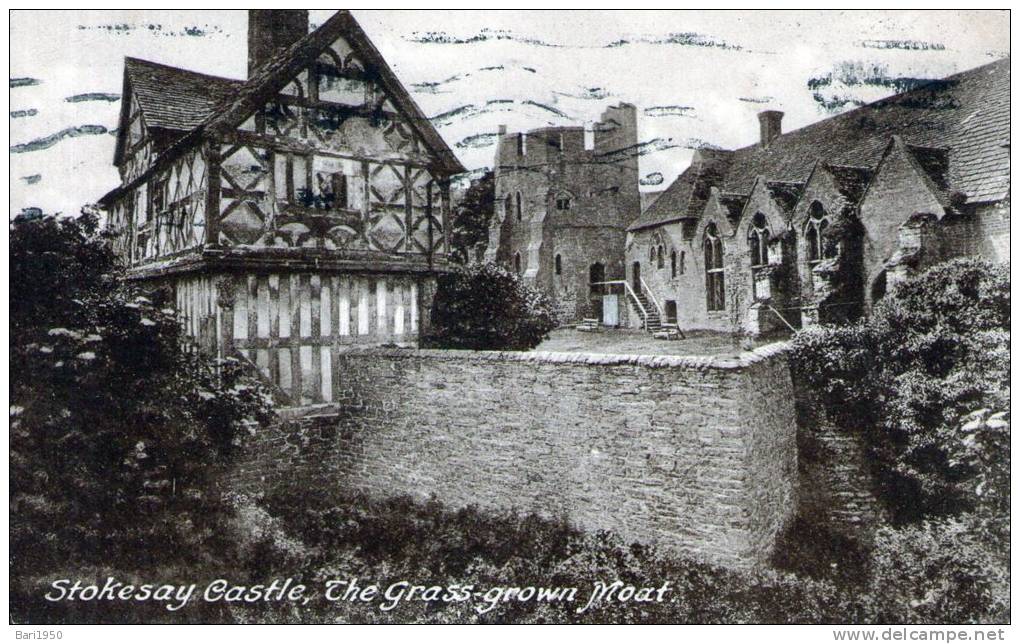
<point x="686" y="196"/>
<point x="173" y="98"/>
<point x="225" y="110"/>
<point x="966" y="114"/>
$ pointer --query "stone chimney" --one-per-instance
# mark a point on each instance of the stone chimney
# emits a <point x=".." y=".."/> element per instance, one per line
<point x="771" y="122"/>
<point x="270" y="30"/>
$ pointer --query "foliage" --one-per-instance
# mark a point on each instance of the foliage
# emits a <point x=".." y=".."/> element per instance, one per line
<point x="471" y="217"/>
<point x="116" y="427"/>
<point x="939" y="571"/>
<point x="384" y="541"/>
<point x="486" y="307"/>
<point x="943" y="338"/>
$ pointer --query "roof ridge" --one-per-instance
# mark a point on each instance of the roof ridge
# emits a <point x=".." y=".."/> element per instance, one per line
<point x="150" y="63"/>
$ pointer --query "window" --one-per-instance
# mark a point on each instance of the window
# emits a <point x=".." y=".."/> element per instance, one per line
<point x="651" y="255"/>
<point x="660" y="261"/>
<point x="559" y="265"/>
<point x="508" y="205"/>
<point x="563" y="202"/>
<point x="520" y="208"/>
<point x="330" y="191"/>
<point x="814" y="235"/>
<point x="715" y="297"/>
<point x="517" y="263"/>
<point x="683" y="262"/>
<point x="522" y="145"/>
<point x="758" y="241"/>
<point x="672" y="264"/>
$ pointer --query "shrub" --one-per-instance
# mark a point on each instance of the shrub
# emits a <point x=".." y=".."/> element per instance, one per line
<point x="939" y="571"/>
<point x="486" y="307"/>
<point x="116" y="427"/>
<point x="933" y="351"/>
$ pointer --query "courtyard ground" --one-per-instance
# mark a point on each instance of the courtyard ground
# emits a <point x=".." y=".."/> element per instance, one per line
<point x="637" y="342"/>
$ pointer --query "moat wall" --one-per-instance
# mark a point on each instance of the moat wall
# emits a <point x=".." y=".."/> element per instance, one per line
<point x="695" y="455"/>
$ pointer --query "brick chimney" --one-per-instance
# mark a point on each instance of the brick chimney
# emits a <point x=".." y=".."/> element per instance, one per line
<point x="771" y="122"/>
<point x="270" y="30"/>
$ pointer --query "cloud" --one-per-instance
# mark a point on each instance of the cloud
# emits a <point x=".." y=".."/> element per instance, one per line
<point x="20" y="114"/>
<point x="24" y="82"/>
<point x="93" y="96"/>
<point x="51" y="140"/>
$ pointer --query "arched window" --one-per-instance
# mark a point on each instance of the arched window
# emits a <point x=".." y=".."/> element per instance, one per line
<point x="562" y="202"/>
<point x="814" y="234"/>
<point x="660" y="261"/>
<point x="758" y="240"/>
<point x="683" y="262"/>
<point x="715" y="289"/>
<point x="672" y="264"/>
<point x="651" y="255"/>
<point x="520" y="207"/>
<point x="517" y="263"/>
<point x="559" y="265"/>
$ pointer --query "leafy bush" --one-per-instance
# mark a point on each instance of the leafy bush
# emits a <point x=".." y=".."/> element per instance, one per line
<point x="116" y="427"/>
<point x="939" y="571"/>
<point x="486" y="307"/>
<point x="934" y="350"/>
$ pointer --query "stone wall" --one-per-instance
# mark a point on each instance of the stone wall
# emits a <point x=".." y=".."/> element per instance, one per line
<point x="696" y="455"/>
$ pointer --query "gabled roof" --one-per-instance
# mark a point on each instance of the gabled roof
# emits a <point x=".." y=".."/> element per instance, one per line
<point x="173" y="98"/>
<point x="966" y="115"/>
<point x="170" y="98"/>
<point x="687" y="196"/>
<point x="235" y="105"/>
<point x="851" y="181"/>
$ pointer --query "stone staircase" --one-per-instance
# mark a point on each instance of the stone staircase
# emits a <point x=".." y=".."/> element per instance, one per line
<point x="651" y="319"/>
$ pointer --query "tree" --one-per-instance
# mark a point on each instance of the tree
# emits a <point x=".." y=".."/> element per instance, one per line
<point x="471" y="217"/>
<point x="484" y="306"/>
<point x="117" y="426"/>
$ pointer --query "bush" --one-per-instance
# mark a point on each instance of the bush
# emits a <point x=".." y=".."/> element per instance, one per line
<point x="116" y="427"/>
<point x="486" y="307"/>
<point x="934" y="350"/>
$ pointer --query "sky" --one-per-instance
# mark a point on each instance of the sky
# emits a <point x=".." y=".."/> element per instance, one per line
<point x="698" y="78"/>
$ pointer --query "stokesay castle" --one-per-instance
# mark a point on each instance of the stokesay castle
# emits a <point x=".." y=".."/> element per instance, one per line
<point x="301" y="219"/>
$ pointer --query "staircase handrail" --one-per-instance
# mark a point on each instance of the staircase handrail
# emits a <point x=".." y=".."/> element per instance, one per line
<point x="651" y="296"/>
<point x="633" y="295"/>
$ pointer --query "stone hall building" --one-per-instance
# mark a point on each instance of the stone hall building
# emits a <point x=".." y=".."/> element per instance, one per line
<point x="816" y="224"/>
<point x="293" y="213"/>
<point x="564" y="197"/>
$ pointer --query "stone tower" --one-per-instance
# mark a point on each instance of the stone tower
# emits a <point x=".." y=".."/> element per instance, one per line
<point x="564" y="197"/>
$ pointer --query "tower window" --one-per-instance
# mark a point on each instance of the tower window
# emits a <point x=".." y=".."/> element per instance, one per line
<point x="520" y="207"/>
<point x="563" y="202"/>
<point x="672" y="264"/>
<point x="559" y="265"/>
